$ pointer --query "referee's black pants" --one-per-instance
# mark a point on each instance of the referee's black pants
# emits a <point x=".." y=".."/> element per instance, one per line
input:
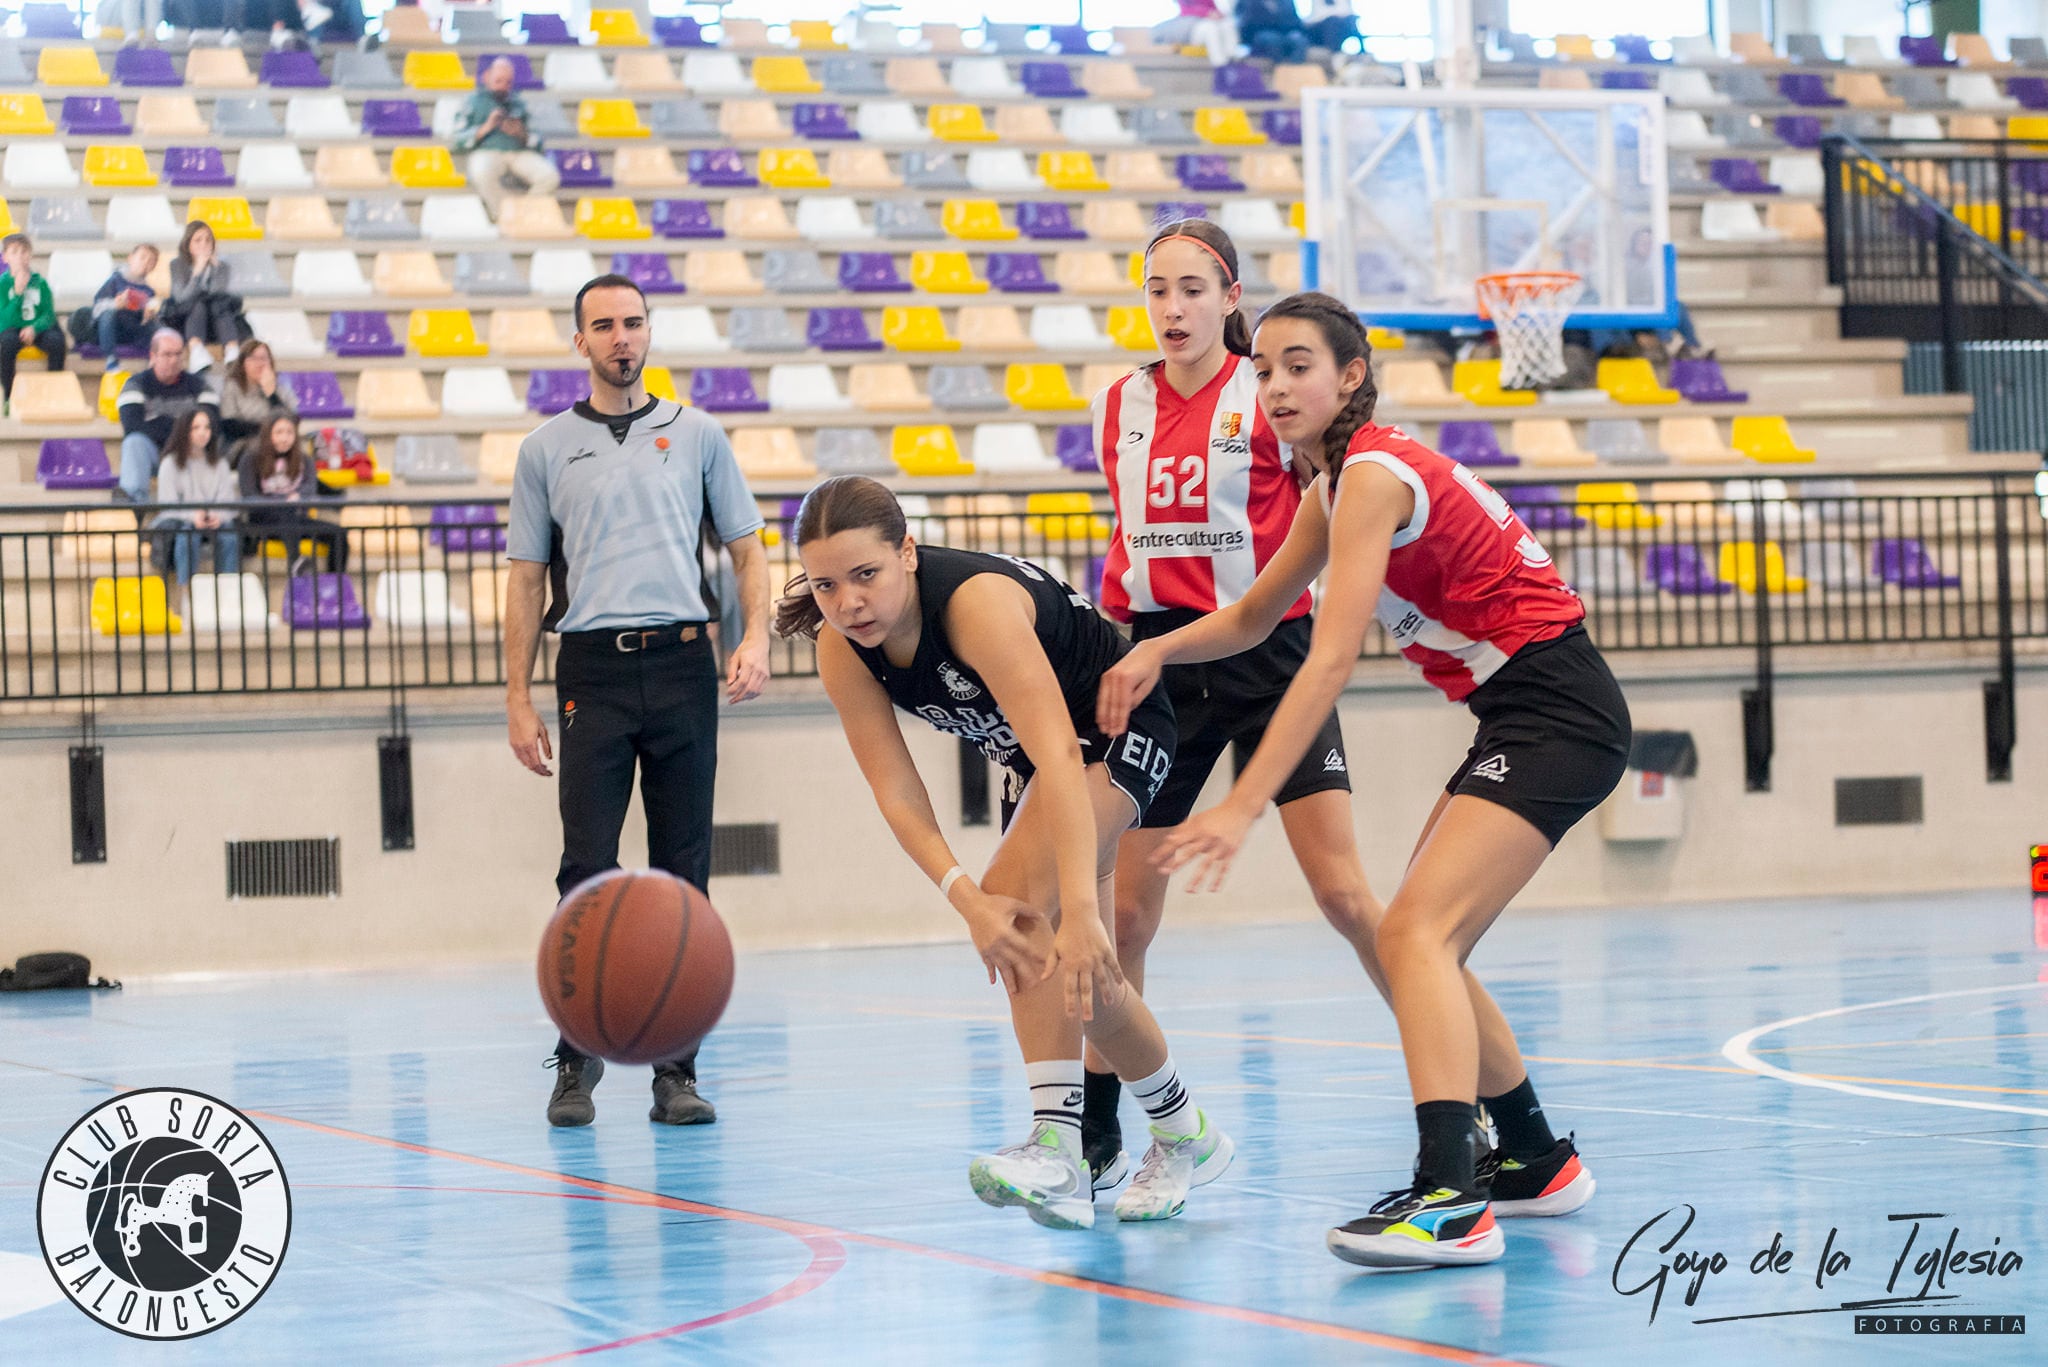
<point x="654" y="705"/>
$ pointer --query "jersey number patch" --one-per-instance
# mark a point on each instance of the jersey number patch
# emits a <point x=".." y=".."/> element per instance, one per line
<point x="1177" y="482"/>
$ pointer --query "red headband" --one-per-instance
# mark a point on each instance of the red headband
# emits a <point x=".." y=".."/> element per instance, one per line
<point x="1229" y="275"/>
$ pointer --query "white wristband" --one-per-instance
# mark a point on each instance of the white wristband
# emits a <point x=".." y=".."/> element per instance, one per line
<point x="953" y="875"/>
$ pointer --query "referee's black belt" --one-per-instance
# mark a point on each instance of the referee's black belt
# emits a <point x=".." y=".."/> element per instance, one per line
<point x="633" y="640"/>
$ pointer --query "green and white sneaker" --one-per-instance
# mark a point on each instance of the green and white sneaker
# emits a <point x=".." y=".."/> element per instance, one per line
<point x="1045" y="1174"/>
<point x="1173" y="1165"/>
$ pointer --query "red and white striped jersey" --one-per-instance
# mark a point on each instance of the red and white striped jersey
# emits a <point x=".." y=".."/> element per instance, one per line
<point x="1467" y="583"/>
<point x="1204" y="495"/>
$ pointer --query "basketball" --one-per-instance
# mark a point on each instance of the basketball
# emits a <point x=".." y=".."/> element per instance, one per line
<point x="635" y="966"/>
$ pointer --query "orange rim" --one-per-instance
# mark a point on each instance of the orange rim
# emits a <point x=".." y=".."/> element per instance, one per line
<point x="1517" y="286"/>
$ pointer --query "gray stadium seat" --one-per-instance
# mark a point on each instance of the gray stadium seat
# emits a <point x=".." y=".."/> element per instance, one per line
<point x="1808" y="48"/>
<point x="477" y="24"/>
<point x="256" y="275"/>
<point x="245" y="116"/>
<point x="796" y="270"/>
<point x="354" y="70"/>
<point x="754" y="328"/>
<point x="62" y="218"/>
<point x="854" y="76"/>
<point x="901" y="220"/>
<point x="682" y="119"/>
<point x="933" y="171"/>
<point x="545" y="118"/>
<point x="1623" y="441"/>
<point x="488" y="272"/>
<point x="851" y="451"/>
<point x="380" y="220"/>
<point x="965" y="388"/>
<point x="432" y="460"/>
<point x="1162" y="127"/>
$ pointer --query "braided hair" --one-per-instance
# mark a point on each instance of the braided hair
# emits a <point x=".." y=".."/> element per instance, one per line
<point x="843" y="503"/>
<point x="1345" y="335"/>
<point x="1237" y="334"/>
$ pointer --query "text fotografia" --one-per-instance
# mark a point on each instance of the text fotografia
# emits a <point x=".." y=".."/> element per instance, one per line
<point x="1926" y="1258"/>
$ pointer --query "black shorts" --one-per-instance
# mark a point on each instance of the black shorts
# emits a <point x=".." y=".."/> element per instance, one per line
<point x="1138" y="760"/>
<point x="1553" y="734"/>
<point x="1228" y="703"/>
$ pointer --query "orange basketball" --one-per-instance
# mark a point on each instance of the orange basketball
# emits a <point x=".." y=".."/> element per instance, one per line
<point x="635" y="967"/>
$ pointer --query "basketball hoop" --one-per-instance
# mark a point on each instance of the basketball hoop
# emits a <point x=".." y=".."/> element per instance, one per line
<point x="1528" y="309"/>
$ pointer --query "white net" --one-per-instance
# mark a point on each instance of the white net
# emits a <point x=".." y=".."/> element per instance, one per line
<point x="1528" y="309"/>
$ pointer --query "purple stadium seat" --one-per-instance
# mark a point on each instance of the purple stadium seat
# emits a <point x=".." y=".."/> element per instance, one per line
<point x="1473" y="444"/>
<point x="195" y="166"/>
<point x="545" y="28"/>
<point x="555" y="391"/>
<point x="74" y="463"/>
<point x="393" y="119"/>
<point x="1283" y="127"/>
<point x="1073" y="445"/>
<point x="292" y="71"/>
<point x="89" y="351"/>
<point x="1701" y="381"/>
<point x="870" y="273"/>
<point x="720" y="166"/>
<point x="1171" y="210"/>
<point x="684" y="218"/>
<point x="1808" y="89"/>
<point x="1204" y="174"/>
<point x="1682" y="569"/>
<point x="1541" y="506"/>
<point x="1019" y="273"/>
<point x="649" y="270"/>
<point x="465" y="527"/>
<point x="1242" y="81"/>
<point x="1071" y="40"/>
<point x="676" y="30"/>
<point x="1798" y="130"/>
<point x="48" y="21"/>
<point x="1052" y="221"/>
<point x="1906" y="563"/>
<point x="1919" y="51"/>
<point x="361" y="332"/>
<point x="1740" y="175"/>
<point x="1633" y="47"/>
<point x="2030" y="91"/>
<point x="822" y="121"/>
<point x="725" y="389"/>
<point x="1628" y="80"/>
<point x="319" y="394"/>
<point x="145" y="66"/>
<point x="839" y="329"/>
<point x="92" y="114"/>
<point x="1050" y="81"/>
<point x="2031" y="176"/>
<point x="523" y="75"/>
<point x="323" y="600"/>
<point x="580" y="169"/>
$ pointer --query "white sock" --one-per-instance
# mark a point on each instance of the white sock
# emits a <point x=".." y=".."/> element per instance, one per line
<point x="1168" y="1103"/>
<point x="1056" y="1095"/>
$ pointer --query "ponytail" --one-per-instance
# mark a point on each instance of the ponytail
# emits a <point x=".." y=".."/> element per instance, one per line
<point x="1237" y="334"/>
<point x="1346" y="338"/>
<point x="843" y="503"/>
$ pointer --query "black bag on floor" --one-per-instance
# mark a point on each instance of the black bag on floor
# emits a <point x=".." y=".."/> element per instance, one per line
<point x="35" y="972"/>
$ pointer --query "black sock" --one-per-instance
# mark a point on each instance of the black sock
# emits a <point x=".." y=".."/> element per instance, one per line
<point x="1518" y="1115"/>
<point x="1098" y="1108"/>
<point x="1450" y="1149"/>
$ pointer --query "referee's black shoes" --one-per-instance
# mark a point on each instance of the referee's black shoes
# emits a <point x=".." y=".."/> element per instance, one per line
<point x="574" y="1077"/>
<point x="675" y="1098"/>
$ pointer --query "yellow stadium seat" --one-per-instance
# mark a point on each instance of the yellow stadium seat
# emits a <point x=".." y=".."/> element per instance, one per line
<point x="42" y="396"/>
<point x="1297" y="217"/>
<point x="1548" y="442"/>
<point x="227" y="215"/>
<point x="424" y="70"/>
<point x="117" y="166"/>
<point x="426" y="168"/>
<point x="758" y="216"/>
<point x="719" y="271"/>
<point x="110" y="394"/>
<point x="1385" y="339"/>
<point x="785" y="76"/>
<point x="915" y="76"/>
<point x="661" y="383"/>
<point x="133" y="605"/>
<point x="443" y="332"/>
<point x="1087" y="273"/>
<point x="1479" y="381"/>
<point x="7" y="225"/>
<point x="1632" y="379"/>
<point x="885" y="387"/>
<point x="223" y="68"/>
<point x="169" y="116"/>
<point x="617" y="28"/>
<point x="993" y="327"/>
<point x="792" y="168"/>
<point x="1226" y="126"/>
<point x="1575" y="47"/>
<point x="928" y="452"/>
<point x="1026" y="123"/>
<point x="1064" y="517"/>
<point x="387" y="393"/>
<point x="814" y="35"/>
<point x="410" y="274"/>
<point x="1041" y="387"/>
<point x="1984" y="219"/>
<point x="861" y="168"/>
<point x="533" y="218"/>
<point x="645" y="72"/>
<point x="958" y="123"/>
<point x="1134" y="270"/>
<point x="1694" y="441"/>
<point x="70" y="66"/>
<point x="526" y="332"/>
<point x="945" y="273"/>
<point x="750" y="121"/>
<point x="609" y="219"/>
<point x="645" y="168"/>
<point x="1768" y="438"/>
<point x="301" y="218"/>
<point x="1130" y="327"/>
<point x="975" y="220"/>
<point x="24" y="114"/>
<point x="770" y="453"/>
<point x="1738" y="567"/>
<point x="610" y="119"/>
<point x="497" y="457"/>
<point x="916" y="327"/>
<point x="1616" y="505"/>
<point x="1069" y="171"/>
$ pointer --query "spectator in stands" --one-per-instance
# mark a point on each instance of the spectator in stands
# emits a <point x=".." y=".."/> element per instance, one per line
<point x="1272" y="28"/>
<point x="138" y="19"/>
<point x="194" y="472"/>
<point x="122" y="311"/>
<point x="278" y="471"/>
<point x="1201" y="23"/>
<point x="492" y="131"/>
<point x="28" y="313"/>
<point x="202" y="306"/>
<point x="1332" y="24"/>
<point x="150" y="404"/>
<point x="250" y="397"/>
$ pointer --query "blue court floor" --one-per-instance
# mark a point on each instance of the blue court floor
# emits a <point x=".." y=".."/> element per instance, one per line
<point x="1783" y="1069"/>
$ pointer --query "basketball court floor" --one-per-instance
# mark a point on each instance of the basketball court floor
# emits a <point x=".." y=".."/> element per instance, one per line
<point x="1805" y="1070"/>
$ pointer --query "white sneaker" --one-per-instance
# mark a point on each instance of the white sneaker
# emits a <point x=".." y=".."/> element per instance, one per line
<point x="200" y="358"/>
<point x="1173" y="1165"/>
<point x="1045" y="1174"/>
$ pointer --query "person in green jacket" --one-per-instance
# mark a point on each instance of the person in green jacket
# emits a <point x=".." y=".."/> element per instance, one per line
<point x="28" y="313"/>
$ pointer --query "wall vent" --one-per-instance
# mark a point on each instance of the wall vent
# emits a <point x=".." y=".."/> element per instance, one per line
<point x="285" y="868"/>
<point x="1878" y="801"/>
<point x="746" y="850"/>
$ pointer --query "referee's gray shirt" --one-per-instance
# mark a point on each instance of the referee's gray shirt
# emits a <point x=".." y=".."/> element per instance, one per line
<point x="615" y="504"/>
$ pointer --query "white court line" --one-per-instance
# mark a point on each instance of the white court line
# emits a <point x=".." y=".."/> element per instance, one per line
<point x="1737" y="1052"/>
<point x="25" y="1284"/>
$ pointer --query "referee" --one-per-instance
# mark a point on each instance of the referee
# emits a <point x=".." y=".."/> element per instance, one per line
<point x="607" y="508"/>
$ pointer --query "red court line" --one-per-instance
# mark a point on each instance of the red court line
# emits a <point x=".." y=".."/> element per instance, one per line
<point x="803" y="1230"/>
